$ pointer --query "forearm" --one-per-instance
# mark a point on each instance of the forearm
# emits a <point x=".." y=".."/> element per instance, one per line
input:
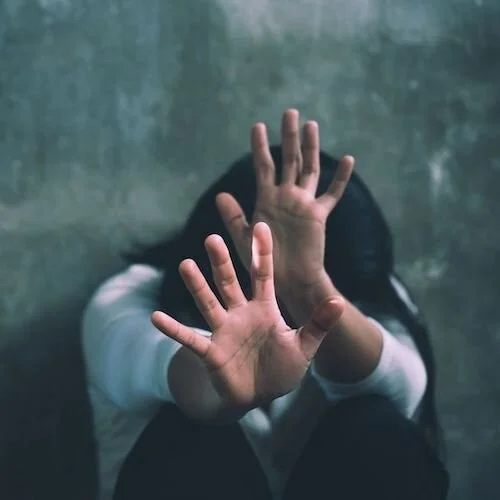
<point x="351" y="351"/>
<point x="400" y="376"/>
<point x="194" y="393"/>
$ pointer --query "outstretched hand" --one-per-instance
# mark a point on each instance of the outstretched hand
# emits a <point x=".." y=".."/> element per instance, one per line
<point x="253" y="356"/>
<point x="297" y="217"/>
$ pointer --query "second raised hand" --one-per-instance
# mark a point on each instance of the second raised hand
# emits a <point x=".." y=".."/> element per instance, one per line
<point x="253" y="356"/>
<point x="296" y="216"/>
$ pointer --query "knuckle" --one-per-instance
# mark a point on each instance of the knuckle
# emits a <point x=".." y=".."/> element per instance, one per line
<point x="227" y="281"/>
<point x="198" y="289"/>
<point x="262" y="274"/>
<point x="209" y="304"/>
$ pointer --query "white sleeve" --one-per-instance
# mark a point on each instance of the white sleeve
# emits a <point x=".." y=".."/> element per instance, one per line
<point x="126" y="357"/>
<point x="400" y="376"/>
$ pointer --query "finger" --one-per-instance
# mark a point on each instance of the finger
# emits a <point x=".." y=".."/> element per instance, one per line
<point x="236" y="224"/>
<point x="262" y="160"/>
<point x="181" y="333"/>
<point x="223" y="272"/>
<point x="206" y="301"/>
<point x="309" y="175"/>
<point x="262" y="263"/>
<point x="290" y="142"/>
<point x="338" y="184"/>
<point x="324" y="319"/>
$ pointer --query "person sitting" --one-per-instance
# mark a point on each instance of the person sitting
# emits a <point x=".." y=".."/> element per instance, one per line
<point x="288" y="359"/>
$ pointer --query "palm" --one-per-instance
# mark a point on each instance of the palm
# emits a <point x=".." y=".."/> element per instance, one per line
<point x="295" y="215"/>
<point x="253" y="356"/>
<point x="263" y="362"/>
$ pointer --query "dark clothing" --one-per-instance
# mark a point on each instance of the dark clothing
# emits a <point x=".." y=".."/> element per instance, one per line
<point x="363" y="449"/>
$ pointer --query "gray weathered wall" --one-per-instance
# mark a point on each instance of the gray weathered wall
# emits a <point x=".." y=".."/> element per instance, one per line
<point x="114" y="115"/>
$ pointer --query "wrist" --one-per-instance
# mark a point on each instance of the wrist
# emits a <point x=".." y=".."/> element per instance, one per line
<point x="353" y="353"/>
<point x="193" y="391"/>
<point x="301" y="299"/>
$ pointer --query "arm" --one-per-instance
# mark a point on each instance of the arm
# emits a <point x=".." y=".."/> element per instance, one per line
<point x="354" y="349"/>
<point x="400" y="376"/>
<point x="126" y="358"/>
<point x="130" y="361"/>
<point x="298" y="221"/>
<point x="253" y="356"/>
<point x="360" y="356"/>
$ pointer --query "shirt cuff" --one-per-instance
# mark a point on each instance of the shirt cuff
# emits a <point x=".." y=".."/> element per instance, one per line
<point x="400" y="376"/>
<point x="336" y="391"/>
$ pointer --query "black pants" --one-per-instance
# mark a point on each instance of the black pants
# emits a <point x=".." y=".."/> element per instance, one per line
<point x="363" y="449"/>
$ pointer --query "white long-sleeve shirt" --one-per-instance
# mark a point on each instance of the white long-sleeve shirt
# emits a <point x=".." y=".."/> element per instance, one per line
<point x="127" y="361"/>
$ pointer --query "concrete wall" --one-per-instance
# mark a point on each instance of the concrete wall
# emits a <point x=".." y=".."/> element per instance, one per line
<point x="115" y="115"/>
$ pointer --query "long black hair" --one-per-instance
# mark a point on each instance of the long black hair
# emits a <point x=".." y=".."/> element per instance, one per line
<point x="358" y="258"/>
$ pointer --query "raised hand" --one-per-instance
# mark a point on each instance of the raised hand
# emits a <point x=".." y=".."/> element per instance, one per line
<point x="252" y="356"/>
<point x="297" y="217"/>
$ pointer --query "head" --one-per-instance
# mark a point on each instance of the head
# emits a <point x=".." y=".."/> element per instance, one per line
<point x="358" y="241"/>
<point x="358" y="256"/>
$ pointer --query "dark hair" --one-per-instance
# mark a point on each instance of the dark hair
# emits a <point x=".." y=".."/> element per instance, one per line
<point x="358" y="258"/>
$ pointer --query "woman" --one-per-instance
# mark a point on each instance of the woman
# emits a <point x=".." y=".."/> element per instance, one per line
<point x="345" y="427"/>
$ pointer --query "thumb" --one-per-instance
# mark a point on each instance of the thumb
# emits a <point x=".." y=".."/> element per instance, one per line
<point x="323" y="319"/>
<point x="237" y="225"/>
